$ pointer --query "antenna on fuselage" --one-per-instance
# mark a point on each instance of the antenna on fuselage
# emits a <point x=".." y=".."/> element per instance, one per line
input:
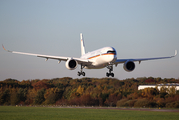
<point x="82" y="44"/>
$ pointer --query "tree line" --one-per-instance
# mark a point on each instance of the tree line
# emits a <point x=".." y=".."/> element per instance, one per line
<point x="89" y="92"/>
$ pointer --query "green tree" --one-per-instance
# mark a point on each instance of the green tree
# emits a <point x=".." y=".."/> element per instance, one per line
<point x="39" y="98"/>
<point x="144" y="103"/>
<point x="5" y="99"/>
<point x="22" y="93"/>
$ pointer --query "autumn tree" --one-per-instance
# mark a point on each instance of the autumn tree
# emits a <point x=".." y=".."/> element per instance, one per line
<point x="30" y="96"/>
<point x="14" y="97"/>
<point x="79" y="91"/>
<point x="87" y="91"/>
<point x="150" y="92"/>
<point x="113" y="98"/>
<point x="40" y="84"/>
<point x="52" y="95"/>
<point x="86" y="100"/>
<point x="163" y="92"/>
<point x="171" y="90"/>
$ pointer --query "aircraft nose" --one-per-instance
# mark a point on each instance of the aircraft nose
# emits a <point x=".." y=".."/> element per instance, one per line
<point x="112" y="58"/>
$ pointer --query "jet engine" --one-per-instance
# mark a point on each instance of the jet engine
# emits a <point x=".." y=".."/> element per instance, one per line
<point x="71" y="64"/>
<point x="129" y="66"/>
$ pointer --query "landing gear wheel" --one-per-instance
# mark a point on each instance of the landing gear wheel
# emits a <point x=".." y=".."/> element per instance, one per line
<point x="79" y="74"/>
<point x="83" y="73"/>
<point x="107" y="74"/>
<point x="112" y="74"/>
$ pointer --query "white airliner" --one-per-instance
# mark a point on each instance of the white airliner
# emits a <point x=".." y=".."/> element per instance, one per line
<point x="104" y="57"/>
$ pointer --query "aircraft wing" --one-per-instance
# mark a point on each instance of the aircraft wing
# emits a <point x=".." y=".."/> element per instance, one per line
<point x="60" y="58"/>
<point x="118" y="61"/>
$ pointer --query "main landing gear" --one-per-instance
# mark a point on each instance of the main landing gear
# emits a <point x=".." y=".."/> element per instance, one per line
<point x="110" y="67"/>
<point x="81" y="71"/>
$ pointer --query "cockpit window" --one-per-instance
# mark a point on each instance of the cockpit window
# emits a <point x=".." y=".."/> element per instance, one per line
<point x="114" y="52"/>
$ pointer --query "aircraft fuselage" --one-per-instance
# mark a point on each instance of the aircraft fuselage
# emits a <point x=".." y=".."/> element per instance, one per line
<point x="101" y="57"/>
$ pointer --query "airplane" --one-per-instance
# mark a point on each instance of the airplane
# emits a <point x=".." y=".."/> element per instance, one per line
<point x="98" y="59"/>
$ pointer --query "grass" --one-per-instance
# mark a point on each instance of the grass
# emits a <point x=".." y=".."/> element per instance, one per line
<point x="45" y="113"/>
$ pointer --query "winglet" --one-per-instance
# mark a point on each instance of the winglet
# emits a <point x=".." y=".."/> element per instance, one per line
<point x="5" y="49"/>
<point x="175" y="52"/>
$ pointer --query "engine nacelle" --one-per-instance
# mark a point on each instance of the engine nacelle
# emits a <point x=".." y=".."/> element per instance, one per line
<point x="129" y="66"/>
<point x="71" y="64"/>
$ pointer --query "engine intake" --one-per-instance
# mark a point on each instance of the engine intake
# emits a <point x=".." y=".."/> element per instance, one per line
<point x="129" y="66"/>
<point x="71" y="64"/>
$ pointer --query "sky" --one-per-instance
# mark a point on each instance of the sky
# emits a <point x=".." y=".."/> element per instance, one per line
<point x="136" y="29"/>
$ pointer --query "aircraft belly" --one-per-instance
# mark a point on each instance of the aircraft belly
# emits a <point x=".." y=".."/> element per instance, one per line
<point x="95" y="67"/>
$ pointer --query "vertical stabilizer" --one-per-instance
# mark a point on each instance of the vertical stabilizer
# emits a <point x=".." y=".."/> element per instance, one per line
<point x="82" y="45"/>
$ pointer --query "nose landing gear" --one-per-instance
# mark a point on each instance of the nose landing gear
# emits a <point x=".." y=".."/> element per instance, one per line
<point x="110" y="67"/>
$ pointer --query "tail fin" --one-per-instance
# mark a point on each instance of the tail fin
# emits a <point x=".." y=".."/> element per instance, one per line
<point x="82" y="45"/>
